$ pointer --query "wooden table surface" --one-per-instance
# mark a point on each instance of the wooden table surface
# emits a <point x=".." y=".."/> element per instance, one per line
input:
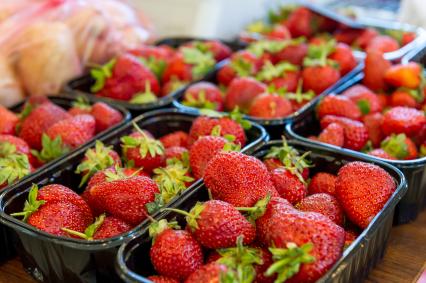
<point x="404" y="261"/>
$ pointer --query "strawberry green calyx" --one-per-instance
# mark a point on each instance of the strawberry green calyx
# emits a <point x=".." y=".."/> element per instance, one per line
<point x="157" y="66"/>
<point x="317" y="55"/>
<point x="270" y="71"/>
<point x="144" y="97"/>
<point x="299" y="96"/>
<point x="287" y="261"/>
<point x="364" y="106"/>
<point x="258" y="48"/>
<point x="144" y="143"/>
<point x="158" y="227"/>
<point x="417" y="94"/>
<point x="242" y="67"/>
<point x="155" y="205"/>
<point x="101" y="74"/>
<point x="6" y="149"/>
<point x="14" y="167"/>
<point x="118" y="174"/>
<point x="253" y="213"/>
<point x="395" y="146"/>
<point x="31" y="204"/>
<point x="280" y="14"/>
<point x="175" y="84"/>
<point x="199" y="102"/>
<point x="192" y="216"/>
<point x="82" y="103"/>
<point x="28" y="108"/>
<point x="238" y="117"/>
<point x="202" y="62"/>
<point x="96" y="159"/>
<point x="90" y="231"/>
<point x="367" y="147"/>
<point x="229" y="145"/>
<point x="51" y="149"/>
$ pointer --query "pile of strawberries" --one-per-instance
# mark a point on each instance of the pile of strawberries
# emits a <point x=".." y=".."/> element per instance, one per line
<point x="148" y="73"/>
<point x="383" y="117"/>
<point x="273" y="79"/>
<point x="121" y="191"/>
<point x="264" y="222"/>
<point x="43" y="132"/>
<point x="293" y="22"/>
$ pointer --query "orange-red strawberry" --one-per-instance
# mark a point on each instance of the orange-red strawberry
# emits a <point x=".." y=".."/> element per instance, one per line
<point x="363" y="189"/>
<point x="400" y="147"/>
<point x="105" y="116"/>
<point x="404" y="97"/>
<point x="344" y="56"/>
<point x="174" y="253"/>
<point x="403" y="120"/>
<point x="374" y="71"/>
<point x="212" y="272"/>
<point x="162" y="279"/>
<point x="270" y="106"/>
<point x="404" y="75"/>
<point x="288" y="185"/>
<point x="383" y="43"/>
<point x="356" y="134"/>
<point x="407" y="37"/>
<point x="333" y="134"/>
<point x="241" y="93"/>
<point x="378" y="152"/>
<point x="238" y="179"/>
<point x="338" y="105"/>
<point x="365" y="99"/>
<point x="367" y="35"/>
<point x="325" y="204"/>
<point x="322" y="182"/>
<point x="8" y="121"/>
<point x="373" y="122"/>
<point x="203" y="95"/>
<point x="178" y="138"/>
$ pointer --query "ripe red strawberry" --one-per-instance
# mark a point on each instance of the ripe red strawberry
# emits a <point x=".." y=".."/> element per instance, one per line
<point x="162" y="279"/>
<point x="38" y="121"/>
<point x="212" y="272"/>
<point x="243" y="63"/>
<point x="220" y="51"/>
<point x="333" y="134"/>
<point x="174" y="253"/>
<point x="8" y="121"/>
<point x="363" y="189"/>
<point x="278" y="31"/>
<point x="105" y="116"/>
<point x="338" y="105"/>
<point x="322" y="182"/>
<point x="280" y="75"/>
<point x="203" y="95"/>
<point x="403" y="120"/>
<point x="10" y="144"/>
<point x="403" y="97"/>
<point x="178" y="138"/>
<point x="203" y="126"/>
<point x="384" y="99"/>
<point x="375" y="67"/>
<point x="325" y="204"/>
<point x="294" y="54"/>
<point x="400" y="147"/>
<point x="267" y="261"/>
<point x="318" y="78"/>
<point x="270" y="106"/>
<point x="175" y="152"/>
<point x="301" y="23"/>
<point x="365" y="99"/>
<point x="143" y="151"/>
<point x="125" y="198"/>
<point x="347" y="35"/>
<point x="288" y="185"/>
<point x="373" y="123"/>
<point x="241" y="92"/>
<point x="363" y="40"/>
<point x="238" y="179"/>
<point x="383" y="44"/>
<point x="378" y="152"/>
<point x="344" y="56"/>
<point x="356" y="134"/>
<point x="408" y="75"/>
<point x="272" y="163"/>
<point x="80" y="106"/>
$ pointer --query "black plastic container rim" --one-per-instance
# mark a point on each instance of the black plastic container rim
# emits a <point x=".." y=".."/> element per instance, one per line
<point x="129" y="276"/>
<point x="68" y="99"/>
<point x="280" y="121"/>
<point x="23" y="227"/>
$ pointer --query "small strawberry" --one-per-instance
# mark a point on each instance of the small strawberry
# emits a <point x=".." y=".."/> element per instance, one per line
<point x="403" y="120"/>
<point x="154" y="57"/>
<point x="344" y="56"/>
<point x="407" y="75"/>
<point x="270" y="106"/>
<point x="212" y="272"/>
<point x="288" y="185"/>
<point x="333" y="134"/>
<point x="325" y="204"/>
<point x="365" y="99"/>
<point x="405" y="97"/>
<point x="241" y="93"/>
<point x="338" y="105"/>
<point x="8" y="121"/>
<point x="105" y="116"/>
<point x="80" y="106"/>
<point x="219" y="50"/>
<point x="203" y="95"/>
<point x="378" y="152"/>
<point x="373" y="122"/>
<point x="375" y="68"/>
<point x="178" y="138"/>
<point x="174" y="253"/>
<point x="322" y="182"/>
<point x="363" y="189"/>
<point x="347" y="35"/>
<point x="400" y="147"/>
<point x="161" y="279"/>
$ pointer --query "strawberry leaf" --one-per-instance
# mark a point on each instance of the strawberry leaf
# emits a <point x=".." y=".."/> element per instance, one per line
<point x="101" y="74"/>
<point x="14" y="167"/>
<point x="51" y="149"/>
<point x="31" y="204"/>
<point x="202" y="62"/>
<point x="396" y="146"/>
<point x="82" y="103"/>
<point x="157" y="66"/>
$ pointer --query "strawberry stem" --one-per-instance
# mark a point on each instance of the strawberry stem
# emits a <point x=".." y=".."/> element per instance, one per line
<point x="31" y="204"/>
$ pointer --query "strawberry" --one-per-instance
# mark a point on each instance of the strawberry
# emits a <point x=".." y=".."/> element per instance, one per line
<point x="407" y="37"/>
<point x="270" y="106"/>
<point x="10" y="145"/>
<point x="322" y="182"/>
<point x="378" y="152"/>
<point x="301" y="23"/>
<point x="288" y="185"/>
<point x="153" y="57"/>
<point x="172" y="86"/>
<point x="384" y="99"/>
<point x="350" y="236"/>
<point x="105" y="116"/>
<point x="375" y="68"/>
<point x="365" y="99"/>
<point x="280" y="75"/>
<point x="363" y="189"/>
<point x="212" y="272"/>
<point x="220" y="51"/>
<point x="203" y="95"/>
<point x="344" y="56"/>
<point x="356" y="134"/>
<point x="261" y="269"/>
<point x="272" y="163"/>
<point x="241" y="93"/>
<point x="175" y="152"/>
<point x="38" y="121"/>
<point x="243" y="63"/>
<point x="161" y="279"/>
<point x="178" y="138"/>
<point x="373" y="122"/>
<point x="363" y="40"/>
<point x="404" y="97"/>
<point x="278" y="32"/>
<point x="14" y="167"/>
<point x="400" y="147"/>
<point x="8" y="121"/>
<point x="80" y="106"/>
<point x="383" y="44"/>
<point x="347" y="35"/>
<point x="407" y="75"/>
<point x="404" y="120"/>
<point x="325" y="204"/>
<point x="333" y="134"/>
<point x="125" y="198"/>
<point x="142" y="150"/>
<point x="238" y="179"/>
<point x="338" y="105"/>
<point x="293" y="53"/>
<point x="174" y="253"/>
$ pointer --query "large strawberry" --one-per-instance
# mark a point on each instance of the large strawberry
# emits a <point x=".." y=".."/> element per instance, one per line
<point x="408" y="75"/>
<point x="105" y="116"/>
<point x="270" y="106"/>
<point x="338" y="105"/>
<point x="322" y="182"/>
<point x="241" y="93"/>
<point x="375" y="67"/>
<point x="325" y="204"/>
<point x="403" y="120"/>
<point x="8" y="121"/>
<point x="203" y="95"/>
<point x="365" y="99"/>
<point x="238" y="179"/>
<point x="363" y="189"/>
<point x="301" y="23"/>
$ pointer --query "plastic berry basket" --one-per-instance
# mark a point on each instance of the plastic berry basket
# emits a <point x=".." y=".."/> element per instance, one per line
<point x="50" y="258"/>
<point x="414" y="170"/>
<point x="83" y="84"/>
<point x="133" y="263"/>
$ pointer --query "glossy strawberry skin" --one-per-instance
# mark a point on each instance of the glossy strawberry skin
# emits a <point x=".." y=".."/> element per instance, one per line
<point x="367" y="101"/>
<point x="363" y="190"/>
<point x="176" y="254"/>
<point x="288" y="80"/>
<point x="319" y="78"/>
<point x="402" y="98"/>
<point x="333" y="134"/>
<point x="383" y="44"/>
<point x="178" y="69"/>
<point x="288" y="185"/>
<point x="210" y="91"/>
<point x="403" y="120"/>
<point x="20" y="145"/>
<point x="374" y="71"/>
<point x="242" y="92"/>
<point x="111" y="227"/>
<point x="202" y="151"/>
<point x="299" y="23"/>
<point x="324" y="204"/>
<point x="270" y="106"/>
<point x="220" y="51"/>
<point x="338" y="105"/>
<point x="210" y="273"/>
<point x="105" y="116"/>
<point x="407" y="75"/>
<point x="322" y="182"/>
<point x="242" y="58"/>
<point x="344" y="56"/>
<point x="178" y="138"/>
<point x="8" y="121"/>
<point x="378" y="152"/>
<point x="373" y="122"/>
